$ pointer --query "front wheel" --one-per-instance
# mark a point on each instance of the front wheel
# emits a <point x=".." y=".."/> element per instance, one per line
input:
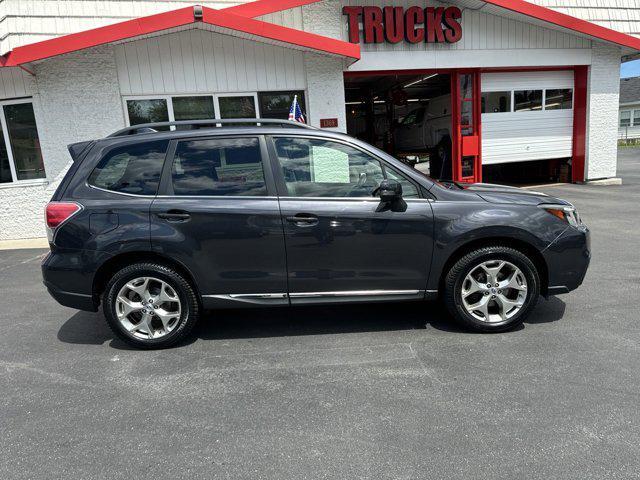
<point x="149" y="305"/>
<point x="492" y="289"/>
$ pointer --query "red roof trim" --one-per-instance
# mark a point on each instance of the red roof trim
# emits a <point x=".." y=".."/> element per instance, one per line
<point x="567" y="21"/>
<point x="279" y="33"/>
<point x="172" y="19"/>
<point x="264" y="7"/>
<point x="98" y="36"/>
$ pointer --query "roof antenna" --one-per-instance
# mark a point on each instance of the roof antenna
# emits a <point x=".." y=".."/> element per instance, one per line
<point x="197" y="13"/>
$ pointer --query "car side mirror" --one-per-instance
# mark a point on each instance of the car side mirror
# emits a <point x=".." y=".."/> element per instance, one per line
<point x="389" y="190"/>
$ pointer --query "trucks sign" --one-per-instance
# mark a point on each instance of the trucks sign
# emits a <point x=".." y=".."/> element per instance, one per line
<point x="395" y="24"/>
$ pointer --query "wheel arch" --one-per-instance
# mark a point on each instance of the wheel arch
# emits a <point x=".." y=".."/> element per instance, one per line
<point x="502" y="241"/>
<point x="117" y="262"/>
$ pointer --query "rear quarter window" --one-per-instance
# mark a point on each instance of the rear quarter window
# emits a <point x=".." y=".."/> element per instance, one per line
<point x="133" y="168"/>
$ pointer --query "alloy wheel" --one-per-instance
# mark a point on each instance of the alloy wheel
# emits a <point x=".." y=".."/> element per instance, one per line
<point x="148" y="308"/>
<point x="494" y="291"/>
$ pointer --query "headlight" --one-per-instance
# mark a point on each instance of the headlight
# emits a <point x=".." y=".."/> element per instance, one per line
<point x="566" y="213"/>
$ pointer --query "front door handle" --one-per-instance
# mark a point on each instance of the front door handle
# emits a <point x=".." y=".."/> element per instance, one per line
<point x="303" y="219"/>
<point x="175" y="216"/>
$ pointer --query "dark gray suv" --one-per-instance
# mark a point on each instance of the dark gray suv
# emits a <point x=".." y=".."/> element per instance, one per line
<point x="158" y="225"/>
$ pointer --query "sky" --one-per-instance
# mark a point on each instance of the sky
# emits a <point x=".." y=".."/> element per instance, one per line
<point x="630" y="69"/>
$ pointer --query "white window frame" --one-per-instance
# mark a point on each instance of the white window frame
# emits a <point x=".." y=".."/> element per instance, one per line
<point x="630" y="112"/>
<point x="633" y="116"/>
<point x="5" y="134"/>
<point x="168" y="99"/>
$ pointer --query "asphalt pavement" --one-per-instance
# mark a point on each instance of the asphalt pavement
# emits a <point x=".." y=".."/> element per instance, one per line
<point x="380" y="392"/>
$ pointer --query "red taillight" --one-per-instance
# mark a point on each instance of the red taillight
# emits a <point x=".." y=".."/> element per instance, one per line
<point x="58" y="212"/>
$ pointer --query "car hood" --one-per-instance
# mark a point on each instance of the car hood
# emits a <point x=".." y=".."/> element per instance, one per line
<point x="506" y="194"/>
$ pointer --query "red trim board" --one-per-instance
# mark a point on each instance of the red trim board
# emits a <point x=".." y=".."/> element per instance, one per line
<point x="172" y="19"/>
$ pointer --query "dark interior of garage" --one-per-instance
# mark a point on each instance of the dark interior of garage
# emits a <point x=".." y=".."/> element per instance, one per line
<point x="408" y="116"/>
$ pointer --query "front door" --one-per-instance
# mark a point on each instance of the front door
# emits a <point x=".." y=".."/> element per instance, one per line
<point x="217" y="214"/>
<point x="465" y="118"/>
<point x="340" y="240"/>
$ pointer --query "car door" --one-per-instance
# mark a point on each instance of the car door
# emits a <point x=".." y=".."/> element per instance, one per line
<point x="217" y="213"/>
<point x="341" y="240"/>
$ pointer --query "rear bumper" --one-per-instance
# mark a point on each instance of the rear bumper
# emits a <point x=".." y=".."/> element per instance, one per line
<point x="79" y="301"/>
<point x="568" y="259"/>
<point x="69" y="274"/>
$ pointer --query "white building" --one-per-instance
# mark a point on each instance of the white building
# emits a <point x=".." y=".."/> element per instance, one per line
<point x="507" y="82"/>
<point x="629" y="117"/>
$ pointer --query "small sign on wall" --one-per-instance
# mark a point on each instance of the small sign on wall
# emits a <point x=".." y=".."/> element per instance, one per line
<point x="328" y="123"/>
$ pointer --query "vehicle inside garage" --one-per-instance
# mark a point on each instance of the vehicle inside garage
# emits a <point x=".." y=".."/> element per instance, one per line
<point x="408" y="116"/>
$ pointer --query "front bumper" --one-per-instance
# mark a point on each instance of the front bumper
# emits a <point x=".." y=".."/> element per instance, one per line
<point x="568" y="259"/>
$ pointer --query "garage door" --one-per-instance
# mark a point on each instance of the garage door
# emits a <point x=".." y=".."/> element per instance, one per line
<point x="526" y="116"/>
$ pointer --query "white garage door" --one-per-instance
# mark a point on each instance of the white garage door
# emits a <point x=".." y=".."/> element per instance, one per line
<point x="526" y="116"/>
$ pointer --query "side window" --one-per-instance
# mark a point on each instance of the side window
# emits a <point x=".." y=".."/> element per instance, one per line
<point x="218" y="167"/>
<point x="321" y="168"/>
<point x="131" y="168"/>
<point x="409" y="190"/>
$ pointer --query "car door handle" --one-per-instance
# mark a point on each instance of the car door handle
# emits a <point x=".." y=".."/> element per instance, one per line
<point x="175" y="215"/>
<point x="303" y="219"/>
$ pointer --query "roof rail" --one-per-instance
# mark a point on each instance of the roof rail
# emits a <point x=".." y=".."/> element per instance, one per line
<point x="209" y="123"/>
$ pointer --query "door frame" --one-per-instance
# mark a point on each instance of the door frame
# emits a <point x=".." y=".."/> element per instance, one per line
<point x="469" y="145"/>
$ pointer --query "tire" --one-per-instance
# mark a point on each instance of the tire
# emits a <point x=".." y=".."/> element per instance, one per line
<point x="170" y="319"/>
<point x="516" y="303"/>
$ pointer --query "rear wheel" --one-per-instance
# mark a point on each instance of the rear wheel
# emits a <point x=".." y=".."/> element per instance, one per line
<point x="150" y="305"/>
<point x="492" y="289"/>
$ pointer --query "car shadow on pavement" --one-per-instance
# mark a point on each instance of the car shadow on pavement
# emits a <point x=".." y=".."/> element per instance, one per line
<point x="91" y="329"/>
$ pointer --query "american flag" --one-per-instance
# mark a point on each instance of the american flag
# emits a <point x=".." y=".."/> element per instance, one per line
<point x="295" y="112"/>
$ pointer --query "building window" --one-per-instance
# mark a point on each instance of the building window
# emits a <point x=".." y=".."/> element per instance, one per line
<point x="625" y="118"/>
<point x="277" y="104"/>
<point x="218" y="167"/>
<point x="636" y="118"/>
<point x="558" y="99"/>
<point x="496" y="102"/>
<point x="20" y="153"/>
<point x="193" y="108"/>
<point x="527" y="100"/>
<point x="147" y="111"/>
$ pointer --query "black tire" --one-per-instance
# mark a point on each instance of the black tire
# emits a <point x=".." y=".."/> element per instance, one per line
<point x="190" y="311"/>
<point x="454" y="279"/>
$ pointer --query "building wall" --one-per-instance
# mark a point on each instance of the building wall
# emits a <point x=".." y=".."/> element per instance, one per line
<point x="602" y="112"/>
<point x="632" y="131"/>
<point x="76" y="98"/>
<point x="199" y="61"/>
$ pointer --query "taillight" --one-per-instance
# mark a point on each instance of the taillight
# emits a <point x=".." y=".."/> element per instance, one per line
<point x="58" y="212"/>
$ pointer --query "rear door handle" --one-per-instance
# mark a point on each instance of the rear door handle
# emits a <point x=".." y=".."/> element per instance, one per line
<point x="175" y="215"/>
<point x="303" y="219"/>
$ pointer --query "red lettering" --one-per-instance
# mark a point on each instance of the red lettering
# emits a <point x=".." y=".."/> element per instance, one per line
<point x="372" y="20"/>
<point x="354" y="30"/>
<point x="434" y="24"/>
<point x="413" y="16"/>
<point x="453" y="32"/>
<point x="393" y="24"/>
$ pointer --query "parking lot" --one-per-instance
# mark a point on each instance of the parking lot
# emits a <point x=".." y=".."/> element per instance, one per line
<point x="391" y="391"/>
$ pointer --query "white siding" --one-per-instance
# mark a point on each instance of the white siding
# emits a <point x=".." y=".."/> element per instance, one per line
<point x="199" y="61"/>
<point x="488" y="40"/>
<point x="14" y="83"/>
<point x="620" y="15"/>
<point x="523" y="136"/>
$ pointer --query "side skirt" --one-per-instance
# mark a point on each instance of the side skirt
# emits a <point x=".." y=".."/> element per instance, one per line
<point x="235" y="300"/>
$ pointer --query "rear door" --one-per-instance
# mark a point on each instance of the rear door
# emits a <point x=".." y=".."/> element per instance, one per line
<point x="217" y="213"/>
<point x="341" y="241"/>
